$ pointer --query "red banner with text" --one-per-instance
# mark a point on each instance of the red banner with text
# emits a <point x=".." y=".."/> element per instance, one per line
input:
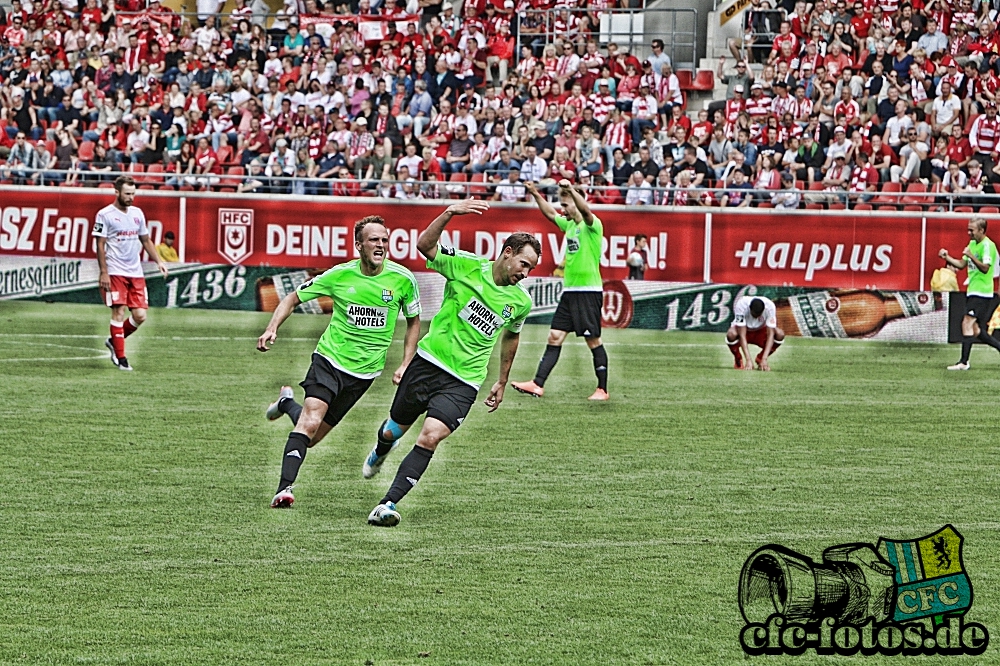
<point x="800" y="248"/>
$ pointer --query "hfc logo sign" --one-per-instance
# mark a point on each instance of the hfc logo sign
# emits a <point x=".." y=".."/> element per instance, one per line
<point x="235" y="234"/>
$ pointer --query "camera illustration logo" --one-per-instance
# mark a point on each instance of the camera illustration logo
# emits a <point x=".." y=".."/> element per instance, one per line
<point x="899" y="597"/>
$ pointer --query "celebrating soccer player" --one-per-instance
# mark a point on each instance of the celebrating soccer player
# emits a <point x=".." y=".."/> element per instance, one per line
<point x="122" y="235"/>
<point x="980" y="257"/>
<point x="582" y="296"/>
<point x="755" y="322"/>
<point x="368" y="294"/>
<point x="482" y="302"/>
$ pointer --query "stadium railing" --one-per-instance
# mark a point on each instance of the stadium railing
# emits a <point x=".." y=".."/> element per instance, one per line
<point x="915" y="198"/>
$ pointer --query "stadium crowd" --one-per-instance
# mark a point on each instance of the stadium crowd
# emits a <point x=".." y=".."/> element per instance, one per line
<point x="847" y="101"/>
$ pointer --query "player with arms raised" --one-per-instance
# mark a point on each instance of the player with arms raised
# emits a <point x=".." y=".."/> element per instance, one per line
<point x="122" y="235"/>
<point x="582" y="297"/>
<point x="368" y="295"/>
<point x="755" y="322"/>
<point x="482" y="302"/>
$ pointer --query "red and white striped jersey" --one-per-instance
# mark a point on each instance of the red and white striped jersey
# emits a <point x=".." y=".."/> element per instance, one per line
<point x="781" y="105"/>
<point x="617" y="134"/>
<point x="984" y="134"/>
<point x="801" y="108"/>
<point x="862" y="177"/>
<point x="758" y="108"/>
<point x="602" y="106"/>
<point x="734" y="107"/>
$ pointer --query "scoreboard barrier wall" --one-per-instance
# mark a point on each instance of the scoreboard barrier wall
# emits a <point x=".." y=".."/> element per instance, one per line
<point x="826" y="268"/>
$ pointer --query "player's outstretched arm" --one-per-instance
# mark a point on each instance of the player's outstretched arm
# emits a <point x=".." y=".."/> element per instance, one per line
<point x="153" y="254"/>
<point x="543" y="205"/>
<point x="409" y="348"/>
<point x="281" y="313"/>
<point x="581" y="203"/>
<point x="427" y="243"/>
<point x="508" y="349"/>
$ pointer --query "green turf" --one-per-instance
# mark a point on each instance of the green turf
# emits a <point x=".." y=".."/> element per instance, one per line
<point x="135" y="527"/>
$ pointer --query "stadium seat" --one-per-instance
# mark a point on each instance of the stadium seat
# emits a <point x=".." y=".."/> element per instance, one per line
<point x="892" y="208"/>
<point x="838" y="206"/>
<point x="913" y="209"/>
<point x="686" y="78"/>
<point x="704" y="80"/>
<point x="964" y="209"/>
<point x="916" y="195"/>
<point x="147" y="186"/>
<point x="479" y="189"/>
<point x="887" y="189"/>
<point x="225" y="155"/>
<point x="765" y="204"/>
<point x="86" y="152"/>
<point x="461" y="177"/>
<point x="106" y="186"/>
<point x="50" y="146"/>
<point x="154" y="174"/>
<point x="185" y="188"/>
<point x="814" y="206"/>
<point x="136" y="168"/>
<point x="863" y="206"/>
<point x="233" y="177"/>
<point x="989" y="210"/>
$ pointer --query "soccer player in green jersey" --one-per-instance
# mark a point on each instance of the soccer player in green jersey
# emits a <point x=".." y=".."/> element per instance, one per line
<point x="482" y="302"/>
<point x="368" y="295"/>
<point x="582" y="297"/>
<point x="980" y="257"/>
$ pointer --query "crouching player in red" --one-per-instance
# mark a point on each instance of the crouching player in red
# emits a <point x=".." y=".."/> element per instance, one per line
<point x="755" y="323"/>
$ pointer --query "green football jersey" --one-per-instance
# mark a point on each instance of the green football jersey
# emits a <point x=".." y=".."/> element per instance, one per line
<point x="365" y="309"/>
<point x="473" y="310"/>
<point x="583" y="254"/>
<point x="979" y="283"/>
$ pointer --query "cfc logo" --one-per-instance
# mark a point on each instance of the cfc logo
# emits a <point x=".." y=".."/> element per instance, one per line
<point x="235" y="234"/>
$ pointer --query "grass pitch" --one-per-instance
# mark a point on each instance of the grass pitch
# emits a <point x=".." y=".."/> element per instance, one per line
<point x="136" y="530"/>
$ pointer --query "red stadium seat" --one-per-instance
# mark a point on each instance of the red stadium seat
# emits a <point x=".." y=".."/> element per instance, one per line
<point x="838" y="206"/>
<point x="989" y="210"/>
<point x="50" y="146"/>
<point x="863" y="206"/>
<point x="892" y="208"/>
<point x="887" y="189"/>
<point x="478" y="190"/>
<point x="225" y="155"/>
<point x="913" y="209"/>
<point x="916" y="195"/>
<point x="458" y="193"/>
<point x="86" y="152"/>
<point x="106" y="186"/>
<point x="232" y="179"/>
<point x="964" y="209"/>
<point x="154" y="174"/>
<point x="686" y="78"/>
<point x="704" y="80"/>
<point x="765" y="204"/>
<point x="814" y="206"/>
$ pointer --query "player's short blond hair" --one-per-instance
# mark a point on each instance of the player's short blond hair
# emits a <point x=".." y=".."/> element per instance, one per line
<point x="365" y="221"/>
<point x="979" y="222"/>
